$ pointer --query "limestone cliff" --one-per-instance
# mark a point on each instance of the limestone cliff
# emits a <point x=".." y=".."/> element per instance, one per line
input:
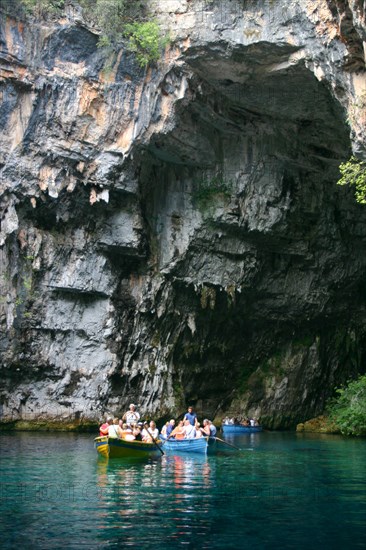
<point x="176" y="234"/>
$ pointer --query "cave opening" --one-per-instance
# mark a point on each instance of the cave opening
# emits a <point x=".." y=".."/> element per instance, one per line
<point x="239" y="200"/>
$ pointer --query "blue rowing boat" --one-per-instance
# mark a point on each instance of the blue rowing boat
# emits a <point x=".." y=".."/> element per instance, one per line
<point x="172" y="446"/>
<point x="240" y="429"/>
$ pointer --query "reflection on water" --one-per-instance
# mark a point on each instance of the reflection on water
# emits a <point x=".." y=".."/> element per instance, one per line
<point x="170" y="488"/>
<point x="281" y="491"/>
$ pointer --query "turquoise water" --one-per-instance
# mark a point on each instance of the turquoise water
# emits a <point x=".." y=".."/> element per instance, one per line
<point x="282" y="491"/>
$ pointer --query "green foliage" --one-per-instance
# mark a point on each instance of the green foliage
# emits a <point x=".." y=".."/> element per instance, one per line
<point x="125" y="20"/>
<point x="118" y="21"/>
<point x="41" y="8"/>
<point x="354" y="173"/>
<point x="348" y="409"/>
<point x="145" y="40"/>
<point x="108" y="15"/>
<point x="104" y="42"/>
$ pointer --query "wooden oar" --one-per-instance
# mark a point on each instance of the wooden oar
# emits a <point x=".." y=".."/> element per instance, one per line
<point x="154" y="440"/>
<point x="226" y="443"/>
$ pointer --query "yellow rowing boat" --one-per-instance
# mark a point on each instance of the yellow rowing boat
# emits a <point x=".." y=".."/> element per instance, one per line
<point x="120" y="448"/>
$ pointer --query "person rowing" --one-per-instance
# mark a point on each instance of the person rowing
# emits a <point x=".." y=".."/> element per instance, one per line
<point x="150" y="433"/>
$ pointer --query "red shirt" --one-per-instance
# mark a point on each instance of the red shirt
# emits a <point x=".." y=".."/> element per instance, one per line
<point x="103" y="430"/>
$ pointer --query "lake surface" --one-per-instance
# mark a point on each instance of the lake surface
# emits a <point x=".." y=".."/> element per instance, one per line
<point x="282" y="490"/>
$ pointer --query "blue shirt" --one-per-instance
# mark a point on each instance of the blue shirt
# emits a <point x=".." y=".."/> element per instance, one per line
<point x="169" y="429"/>
<point x="213" y="430"/>
<point x="191" y="417"/>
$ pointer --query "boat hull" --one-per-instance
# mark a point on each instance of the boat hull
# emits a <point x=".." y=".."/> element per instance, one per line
<point x="237" y="429"/>
<point x="120" y="448"/>
<point x="215" y="446"/>
<point x="172" y="446"/>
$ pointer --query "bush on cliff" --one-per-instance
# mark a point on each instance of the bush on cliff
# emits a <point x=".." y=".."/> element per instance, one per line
<point x="37" y="8"/>
<point x="126" y="20"/>
<point x="354" y="173"/>
<point x="348" y="409"/>
<point x="145" y="40"/>
<point x="43" y="6"/>
<point x="120" y="21"/>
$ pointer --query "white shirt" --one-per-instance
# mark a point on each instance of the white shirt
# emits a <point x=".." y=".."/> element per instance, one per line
<point x="190" y="431"/>
<point x="114" y="431"/>
<point x="131" y="417"/>
<point x="154" y="433"/>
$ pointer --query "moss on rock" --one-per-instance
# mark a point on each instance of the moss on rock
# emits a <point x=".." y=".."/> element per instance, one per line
<point x="320" y="424"/>
<point x="49" y="426"/>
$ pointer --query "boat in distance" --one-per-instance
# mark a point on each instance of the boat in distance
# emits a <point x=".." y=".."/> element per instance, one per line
<point x="112" y="447"/>
<point x="239" y="429"/>
<point x="197" y="445"/>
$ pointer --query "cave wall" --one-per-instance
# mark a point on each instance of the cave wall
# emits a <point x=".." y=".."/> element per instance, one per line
<point x="175" y="234"/>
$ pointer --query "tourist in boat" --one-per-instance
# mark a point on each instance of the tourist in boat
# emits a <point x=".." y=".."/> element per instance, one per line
<point x="164" y="429"/>
<point x="150" y="432"/>
<point x="131" y="416"/>
<point x="191" y="416"/>
<point x="206" y="428"/>
<point x="170" y="427"/>
<point x="127" y="433"/>
<point x="213" y="430"/>
<point x="189" y="430"/>
<point x="179" y="431"/>
<point x="114" y="429"/>
<point x="136" y="432"/>
<point x="103" y="429"/>
<point x="198" y="430"/>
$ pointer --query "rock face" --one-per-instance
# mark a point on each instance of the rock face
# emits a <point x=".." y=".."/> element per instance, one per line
<point x="175" y="234"/>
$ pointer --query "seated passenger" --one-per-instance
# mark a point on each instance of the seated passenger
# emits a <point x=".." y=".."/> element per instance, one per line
<point x="179" y="432"/>
<point x="198" y="430"/>
<point x="150" y="432"/>
<point x="213" y="430"/>
<point x="164" y="429"/>
<point x="127" y="433"/>
<point x="136" y="432"/>
<point x="114" y="429"/>
<point x="103" y="429"/>
<point x="189" y="430"/>
<point x="206" y="428"/>
<point x="170" y="427"/>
